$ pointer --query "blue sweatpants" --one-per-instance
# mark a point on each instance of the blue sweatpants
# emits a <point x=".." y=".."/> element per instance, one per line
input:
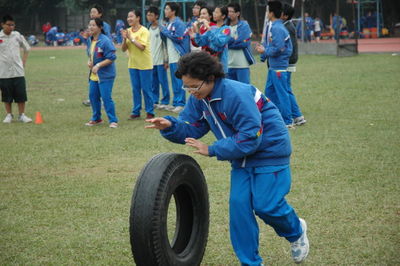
<point x="276" y="90"/>
<point x="160" y="78"/>
<point x="102" y="91"/>
<point x="295" y="109"/>
<point x="141" y="80"/>
<point x="260" y="191"/>
<point x="239" y="74"/>
<point x="179" y="93"/>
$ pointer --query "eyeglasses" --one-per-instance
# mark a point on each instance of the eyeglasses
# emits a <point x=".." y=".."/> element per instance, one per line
<point x="191" y="89"/>
<point x="10" y="24"/>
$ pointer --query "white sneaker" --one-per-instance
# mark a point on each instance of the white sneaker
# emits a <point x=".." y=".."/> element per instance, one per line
<point x="169" y="107"/>
<point x="23" y="118"/>
<point x="301" y="246"/>
<point x="298" y="121"/>
<point x="86" y="102"/>
<point x="177" y="109"/>
<point x="113" y="125"/>
<point x="8" y="119"/>
<point x="162" y="107"/>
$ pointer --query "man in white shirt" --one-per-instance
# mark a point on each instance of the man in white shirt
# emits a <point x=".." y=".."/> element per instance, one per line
<point x="12" y="74"/>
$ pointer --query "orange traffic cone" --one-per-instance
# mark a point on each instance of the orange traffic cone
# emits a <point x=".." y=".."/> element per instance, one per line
<point x="38" y="119"/>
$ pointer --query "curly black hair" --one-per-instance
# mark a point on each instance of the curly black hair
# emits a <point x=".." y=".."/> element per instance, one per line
<point x="200" y="65"/>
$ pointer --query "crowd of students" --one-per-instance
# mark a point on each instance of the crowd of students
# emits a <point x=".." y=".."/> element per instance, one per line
<point x="220" y="32"/>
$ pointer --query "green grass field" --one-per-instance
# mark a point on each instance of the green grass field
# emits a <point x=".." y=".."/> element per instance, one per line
<point x="65" y="189"/>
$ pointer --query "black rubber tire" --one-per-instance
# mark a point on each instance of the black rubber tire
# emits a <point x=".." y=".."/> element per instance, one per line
<point x="164" y="176"/>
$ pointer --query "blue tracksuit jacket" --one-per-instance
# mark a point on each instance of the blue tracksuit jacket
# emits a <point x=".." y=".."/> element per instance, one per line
<point x="249" y="129"/>
<point x="278" y="47"/>
<point x="177" y="35"/>
<point x="243" y="41"/>
<point x="216" y="38"/>
<point x="104" y="50"/>
<point x="107" y="29"/>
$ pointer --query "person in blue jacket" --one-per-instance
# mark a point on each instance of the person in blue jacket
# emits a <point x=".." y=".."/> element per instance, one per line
<point x="216" y="37"/>
<point x="308" y="27"/>
<point x="177" y="45"/>
<point x="97" y="12"/>
<point x="51" y="36"/>
<point x="277" y="49"/>
<point x="119" y="25"/>
<point x="60" y="37"/>
<point x="239" y="54"/>
<point x="337" y="23"/>
<point x="197" y="6"/>
<point x="101" y="52"/>
<point x="287" y="14"/>
<point x="251" y="135"/>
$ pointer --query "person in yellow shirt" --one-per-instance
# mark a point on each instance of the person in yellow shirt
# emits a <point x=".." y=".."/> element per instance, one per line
<point x="140" y="64"/>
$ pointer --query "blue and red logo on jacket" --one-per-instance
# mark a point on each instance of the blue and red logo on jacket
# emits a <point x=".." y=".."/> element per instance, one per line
<point x="99" y="52"/>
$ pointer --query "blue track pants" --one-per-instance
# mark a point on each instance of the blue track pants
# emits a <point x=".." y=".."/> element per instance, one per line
<point x="239" y="74"/>
<point x="160" y="78"/>
<point x="102" y="91"/>
<point x="295" y="109"/>
<point x="141" y="80"/>
<point x="260" y="191"/>
<point x="276" y="90"/>
<point x="179" y="93"/>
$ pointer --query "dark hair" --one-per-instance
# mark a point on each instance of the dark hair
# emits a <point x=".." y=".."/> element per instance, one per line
<point x="275" y="7"/>
<point x="154" y="10"/>
<point x="199" y="65"/>
<point x="209" y="11"/>
<point x="174" y="7"/>
<point x="137" y="13"/>
<point x="7" y="18"/>
<point x="235" y="7"/>
<point x="100" y="24"/>
<point x="288" y="11"/>
<point x="99" y="9"/>
<point x="224" y="10"/>
<point x="201" y="4"/>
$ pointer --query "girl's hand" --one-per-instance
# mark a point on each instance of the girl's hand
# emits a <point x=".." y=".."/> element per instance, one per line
<point x="158" y="123"/>
<point x="200" y="147"/>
